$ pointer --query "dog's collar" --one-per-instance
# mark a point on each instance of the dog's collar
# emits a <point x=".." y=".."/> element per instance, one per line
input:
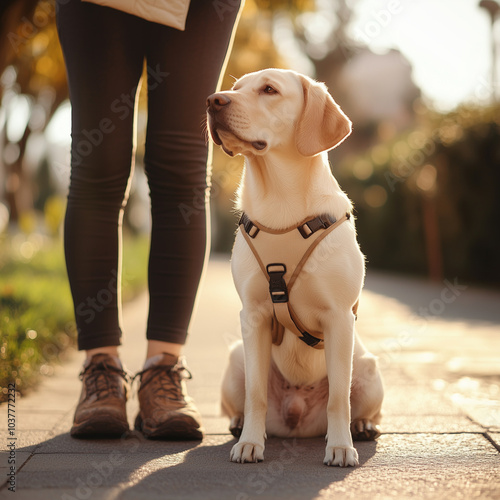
<point x="306" y="228"/>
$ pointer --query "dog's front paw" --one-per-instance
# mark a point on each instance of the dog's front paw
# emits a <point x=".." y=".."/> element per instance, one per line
<point x="342" y="456"/>
<point x="247" y="452"/>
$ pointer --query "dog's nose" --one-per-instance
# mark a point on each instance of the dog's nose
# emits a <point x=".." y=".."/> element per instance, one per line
<point x="217" y="101"/>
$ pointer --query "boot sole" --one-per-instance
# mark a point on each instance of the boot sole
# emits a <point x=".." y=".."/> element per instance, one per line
<point x="179" y="429"/>
<point x="100" y="428"/>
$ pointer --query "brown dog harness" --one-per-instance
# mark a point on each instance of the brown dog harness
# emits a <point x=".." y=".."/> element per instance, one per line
<point x="281" y="255"/>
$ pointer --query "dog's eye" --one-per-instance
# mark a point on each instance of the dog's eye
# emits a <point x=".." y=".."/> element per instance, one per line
<point x="269" y="90"/>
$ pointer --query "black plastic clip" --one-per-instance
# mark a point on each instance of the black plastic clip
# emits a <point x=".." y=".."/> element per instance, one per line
<point x="311" y="226"/>
<point x="309" y="339"/>
<point x="277" y="285"/>
<point x="250" y="228"/>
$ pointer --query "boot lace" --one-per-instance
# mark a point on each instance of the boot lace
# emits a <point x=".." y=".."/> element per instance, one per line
<point x="99" y="379"/>
<point x="168" y="379"/>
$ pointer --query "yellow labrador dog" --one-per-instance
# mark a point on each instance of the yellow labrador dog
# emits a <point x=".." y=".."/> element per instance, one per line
<point x="298" y="269"/>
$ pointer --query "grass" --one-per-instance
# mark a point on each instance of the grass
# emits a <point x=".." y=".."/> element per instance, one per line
<point x="36" y="311"/>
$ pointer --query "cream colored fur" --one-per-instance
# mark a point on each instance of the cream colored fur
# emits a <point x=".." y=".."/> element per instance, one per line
<point x="283" y="123"/>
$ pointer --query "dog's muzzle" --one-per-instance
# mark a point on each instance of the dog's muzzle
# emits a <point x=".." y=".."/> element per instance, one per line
<point x="216" y="104"/>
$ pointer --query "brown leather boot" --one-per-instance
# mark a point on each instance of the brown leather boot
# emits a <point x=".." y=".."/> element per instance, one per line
<point x="166" y="411"/>
<point x="101" y="410"/>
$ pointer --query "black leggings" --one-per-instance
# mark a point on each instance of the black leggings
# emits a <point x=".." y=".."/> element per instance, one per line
<point x="104" y="51"/>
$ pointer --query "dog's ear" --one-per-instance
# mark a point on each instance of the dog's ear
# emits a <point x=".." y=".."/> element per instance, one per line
<point x="322" y="125"/>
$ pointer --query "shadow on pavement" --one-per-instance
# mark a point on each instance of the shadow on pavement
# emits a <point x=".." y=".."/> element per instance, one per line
<point x="452" y="298"/>
<point x="135" y="468"/>
<point x="292" y="468"/>
<point x="86" y="465"/>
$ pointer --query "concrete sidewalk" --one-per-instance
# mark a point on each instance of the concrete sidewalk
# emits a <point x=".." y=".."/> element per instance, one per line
<point x="439" y="349"/>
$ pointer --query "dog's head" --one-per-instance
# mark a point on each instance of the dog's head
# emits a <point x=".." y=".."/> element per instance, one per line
<point x="276" y="109"/>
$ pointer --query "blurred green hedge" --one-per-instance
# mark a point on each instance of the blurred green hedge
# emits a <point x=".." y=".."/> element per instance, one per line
<point x="428" y="202"/>
<point x="36" y="311"/>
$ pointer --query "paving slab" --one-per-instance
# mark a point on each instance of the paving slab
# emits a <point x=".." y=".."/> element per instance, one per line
<point x="450" y="424"/>
<point x="417" y="400"/>
<point x="484" y="411"/>
<point x="39" y="420"/>
<point x="25" y="441"/>
<point x="494" y="437"/>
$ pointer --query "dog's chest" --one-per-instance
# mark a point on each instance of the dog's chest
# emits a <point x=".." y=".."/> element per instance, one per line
<point x="249" y="264"/>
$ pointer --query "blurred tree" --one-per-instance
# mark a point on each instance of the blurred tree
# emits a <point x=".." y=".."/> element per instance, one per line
<point x="331" y="48"/>
<point x="12" y="12"/>
<point x="32" y="86"/>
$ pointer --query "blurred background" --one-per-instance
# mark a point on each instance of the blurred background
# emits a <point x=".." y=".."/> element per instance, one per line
<point x="419" y="81"/>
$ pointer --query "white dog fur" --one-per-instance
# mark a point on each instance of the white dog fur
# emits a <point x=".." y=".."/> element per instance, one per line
<point x="283" y="123"/>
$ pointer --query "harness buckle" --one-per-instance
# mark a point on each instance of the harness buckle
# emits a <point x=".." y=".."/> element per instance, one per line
<point x="311" y="226"/>
<point x="277" y="285"/>
<point x="250" y="228"/>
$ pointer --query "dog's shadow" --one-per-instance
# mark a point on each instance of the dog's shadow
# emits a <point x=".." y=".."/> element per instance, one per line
<point x="146" y="469"/>
<point x="292" y="468"/>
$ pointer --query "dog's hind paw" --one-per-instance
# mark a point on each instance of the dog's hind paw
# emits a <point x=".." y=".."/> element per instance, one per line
<point x="364" y="430"/>
<point x="247" y="452"/>
<point x="236" y="425"/>
<point x="341" y="456"/>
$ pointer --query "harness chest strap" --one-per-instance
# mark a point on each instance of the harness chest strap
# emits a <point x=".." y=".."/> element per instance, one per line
<point x="281" y="255"/>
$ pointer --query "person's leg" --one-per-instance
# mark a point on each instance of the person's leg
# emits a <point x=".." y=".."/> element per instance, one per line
<point x="104" y="60"/>
<point x="184" y="68"/>
<point x="156" y="347"/>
